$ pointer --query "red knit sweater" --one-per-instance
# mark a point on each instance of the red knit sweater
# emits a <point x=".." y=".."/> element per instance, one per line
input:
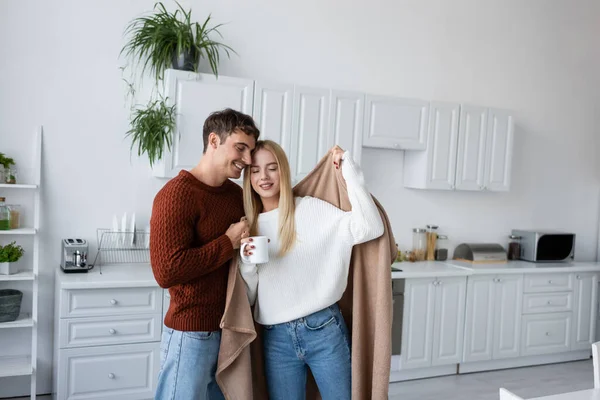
<point x="189" y="250"/>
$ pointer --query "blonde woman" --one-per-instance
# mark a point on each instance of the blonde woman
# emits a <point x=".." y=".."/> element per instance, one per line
<point x="296" y="293"/>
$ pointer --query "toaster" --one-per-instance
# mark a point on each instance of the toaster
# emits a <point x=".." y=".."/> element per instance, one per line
<point x="546" y="245"/>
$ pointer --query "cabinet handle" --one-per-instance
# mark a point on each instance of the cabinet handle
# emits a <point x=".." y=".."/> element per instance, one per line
<point x="112" y="331"/>
<point x="547" y="333"/>
<point x="579" y="277"/>
<point x="396" y="145"/>
<point x="113" y="302"/>
<point x="549" y="303"/>
<point x="499" y="280"/>
<point x="111" y="376"/>
<point x="550" y="281"/>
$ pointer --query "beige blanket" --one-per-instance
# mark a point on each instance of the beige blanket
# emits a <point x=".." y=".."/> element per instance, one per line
<point x="366" y="306"/>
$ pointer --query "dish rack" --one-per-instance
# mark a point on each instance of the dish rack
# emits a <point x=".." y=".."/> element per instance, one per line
<point x="117" y="247"/>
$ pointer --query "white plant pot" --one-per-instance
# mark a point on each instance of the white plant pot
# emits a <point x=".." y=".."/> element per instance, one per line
<point x="9" y="268"/>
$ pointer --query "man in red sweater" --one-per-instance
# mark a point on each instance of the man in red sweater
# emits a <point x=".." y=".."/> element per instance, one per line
<point x="195" y="228"/>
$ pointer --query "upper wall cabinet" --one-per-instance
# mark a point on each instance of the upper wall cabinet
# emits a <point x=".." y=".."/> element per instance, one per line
<point x="395" y="123"/>
<point x="273" y="105"/>
<point x="310" y="129"/>
<point x="195" y="97"/>
<point x="346" y="122"/>
<point x="468" y="148"/>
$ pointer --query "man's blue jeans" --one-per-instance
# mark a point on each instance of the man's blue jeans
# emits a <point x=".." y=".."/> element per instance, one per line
<point x="188" y="366"/>
<point x="320" y="342"/>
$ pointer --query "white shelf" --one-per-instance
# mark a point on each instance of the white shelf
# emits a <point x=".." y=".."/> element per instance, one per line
<point x="23" y="321"/>
<point x="17" y="186"/>
<point x="19" y="276"/>
<point x="20" y="231"/>
<point x="15" y="366"/>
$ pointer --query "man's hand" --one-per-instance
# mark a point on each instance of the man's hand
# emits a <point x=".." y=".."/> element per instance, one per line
<point x="237" y="231"/>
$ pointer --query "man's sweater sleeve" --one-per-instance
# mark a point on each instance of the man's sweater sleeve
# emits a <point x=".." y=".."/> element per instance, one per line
<point x="172" y="231"/>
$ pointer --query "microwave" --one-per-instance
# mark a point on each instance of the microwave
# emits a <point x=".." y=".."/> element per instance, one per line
<point x="546" y="245"/>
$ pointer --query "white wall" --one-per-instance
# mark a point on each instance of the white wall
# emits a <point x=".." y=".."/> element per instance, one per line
<point x="59" y="68"/>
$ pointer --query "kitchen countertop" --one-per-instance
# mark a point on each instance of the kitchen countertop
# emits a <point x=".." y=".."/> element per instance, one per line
<point x="520" y="267"/>
<point x="113" y="276"/>
<point x="427" y="269"/>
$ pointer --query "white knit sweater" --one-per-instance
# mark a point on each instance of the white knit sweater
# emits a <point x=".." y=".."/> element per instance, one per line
<point x="314" y="273"/>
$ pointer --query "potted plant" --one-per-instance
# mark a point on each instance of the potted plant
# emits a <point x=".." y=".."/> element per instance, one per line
<point x="7" y="174"/>
<point x="151" y="128"/>
<point x="171" y="40"/>
<point x="9" y="257"/>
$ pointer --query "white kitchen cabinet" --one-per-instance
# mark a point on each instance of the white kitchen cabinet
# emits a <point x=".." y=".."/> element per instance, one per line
<point x="449" y="321"/>
<point x="499" y="150"/>
<point x="470" y="160"/>
<point x="507" y="326"/>
<point x="196" y="96"/>
<point x="272" y="112"/>
<point x="346" y="117"/>
<point x="310" y="126"/>
<point x="435" y="168"/>
<point x="584" y="324"/>
<point x="468" y="148"/>
<point x="493" y="317"/>
<point x="433" y="322"/>
<point x="395" y="123"/>
<point x="546" y="333"/>
<point x="417" y="324"/>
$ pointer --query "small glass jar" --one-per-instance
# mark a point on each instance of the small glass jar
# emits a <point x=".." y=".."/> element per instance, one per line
<point x="419" y="244"/>
<point x="4" y="215"/>
<point x="514" y="247"/>
<point x="15" y="216"/>
<point x="10" y="175"/>
<point x="441" y="249"/>
<point x="431" y="240"/>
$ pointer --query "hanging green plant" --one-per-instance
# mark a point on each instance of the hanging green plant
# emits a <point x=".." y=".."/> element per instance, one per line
<point x="171" y="40"/>
<point x="152" y="128"/>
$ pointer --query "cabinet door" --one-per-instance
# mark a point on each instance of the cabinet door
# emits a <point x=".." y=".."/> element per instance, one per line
<point x="479" y="318"/>
<point x="584" y="324"/>
<point x="309" y="130"/>
<point x="346" y="122"/>
<point x="441" y="146"/>
<point x="499" y="150"/>
<point x="449" y="321"/>
<point x="273" y="112"/>
<point x="507" y="314"/>
<point x="470" y="161"/>
<point x="417" y="323"/>
<point x="196" y="96"/>
<point x="395" y="123"/>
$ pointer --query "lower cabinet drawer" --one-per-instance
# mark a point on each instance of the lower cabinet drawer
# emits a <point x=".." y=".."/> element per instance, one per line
<point x="79" y="332"/>
<point x="545" y="333"/>
<point x="547" y="302"/>
<point x="125" y="372"/>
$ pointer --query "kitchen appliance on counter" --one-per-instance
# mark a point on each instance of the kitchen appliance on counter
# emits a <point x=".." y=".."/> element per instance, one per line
<point x="74" y="256"/>
<point x="546" y="245"/>
<point x="480" y="253"/>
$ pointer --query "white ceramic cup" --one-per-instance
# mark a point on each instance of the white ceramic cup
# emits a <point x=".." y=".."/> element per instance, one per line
<point x="260" y="252"/>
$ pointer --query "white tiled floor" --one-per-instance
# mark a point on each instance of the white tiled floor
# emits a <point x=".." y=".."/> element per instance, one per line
<point x="526" y="382"/>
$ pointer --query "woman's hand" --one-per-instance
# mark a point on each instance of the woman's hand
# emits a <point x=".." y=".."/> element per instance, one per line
<point x="337" y="153"/>
<point x="247" y="249"/>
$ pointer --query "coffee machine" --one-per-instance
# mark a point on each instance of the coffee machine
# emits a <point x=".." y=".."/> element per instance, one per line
<point x="74" y="256"/>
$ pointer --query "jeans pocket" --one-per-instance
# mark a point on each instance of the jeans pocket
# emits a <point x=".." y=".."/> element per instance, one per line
<point x="319" y="320"/>
<point x="198" y="335"/>
<point x="165" y="342"/>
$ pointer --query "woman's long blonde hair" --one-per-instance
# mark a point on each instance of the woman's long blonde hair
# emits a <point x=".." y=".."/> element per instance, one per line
<point x="287" y="206"/>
